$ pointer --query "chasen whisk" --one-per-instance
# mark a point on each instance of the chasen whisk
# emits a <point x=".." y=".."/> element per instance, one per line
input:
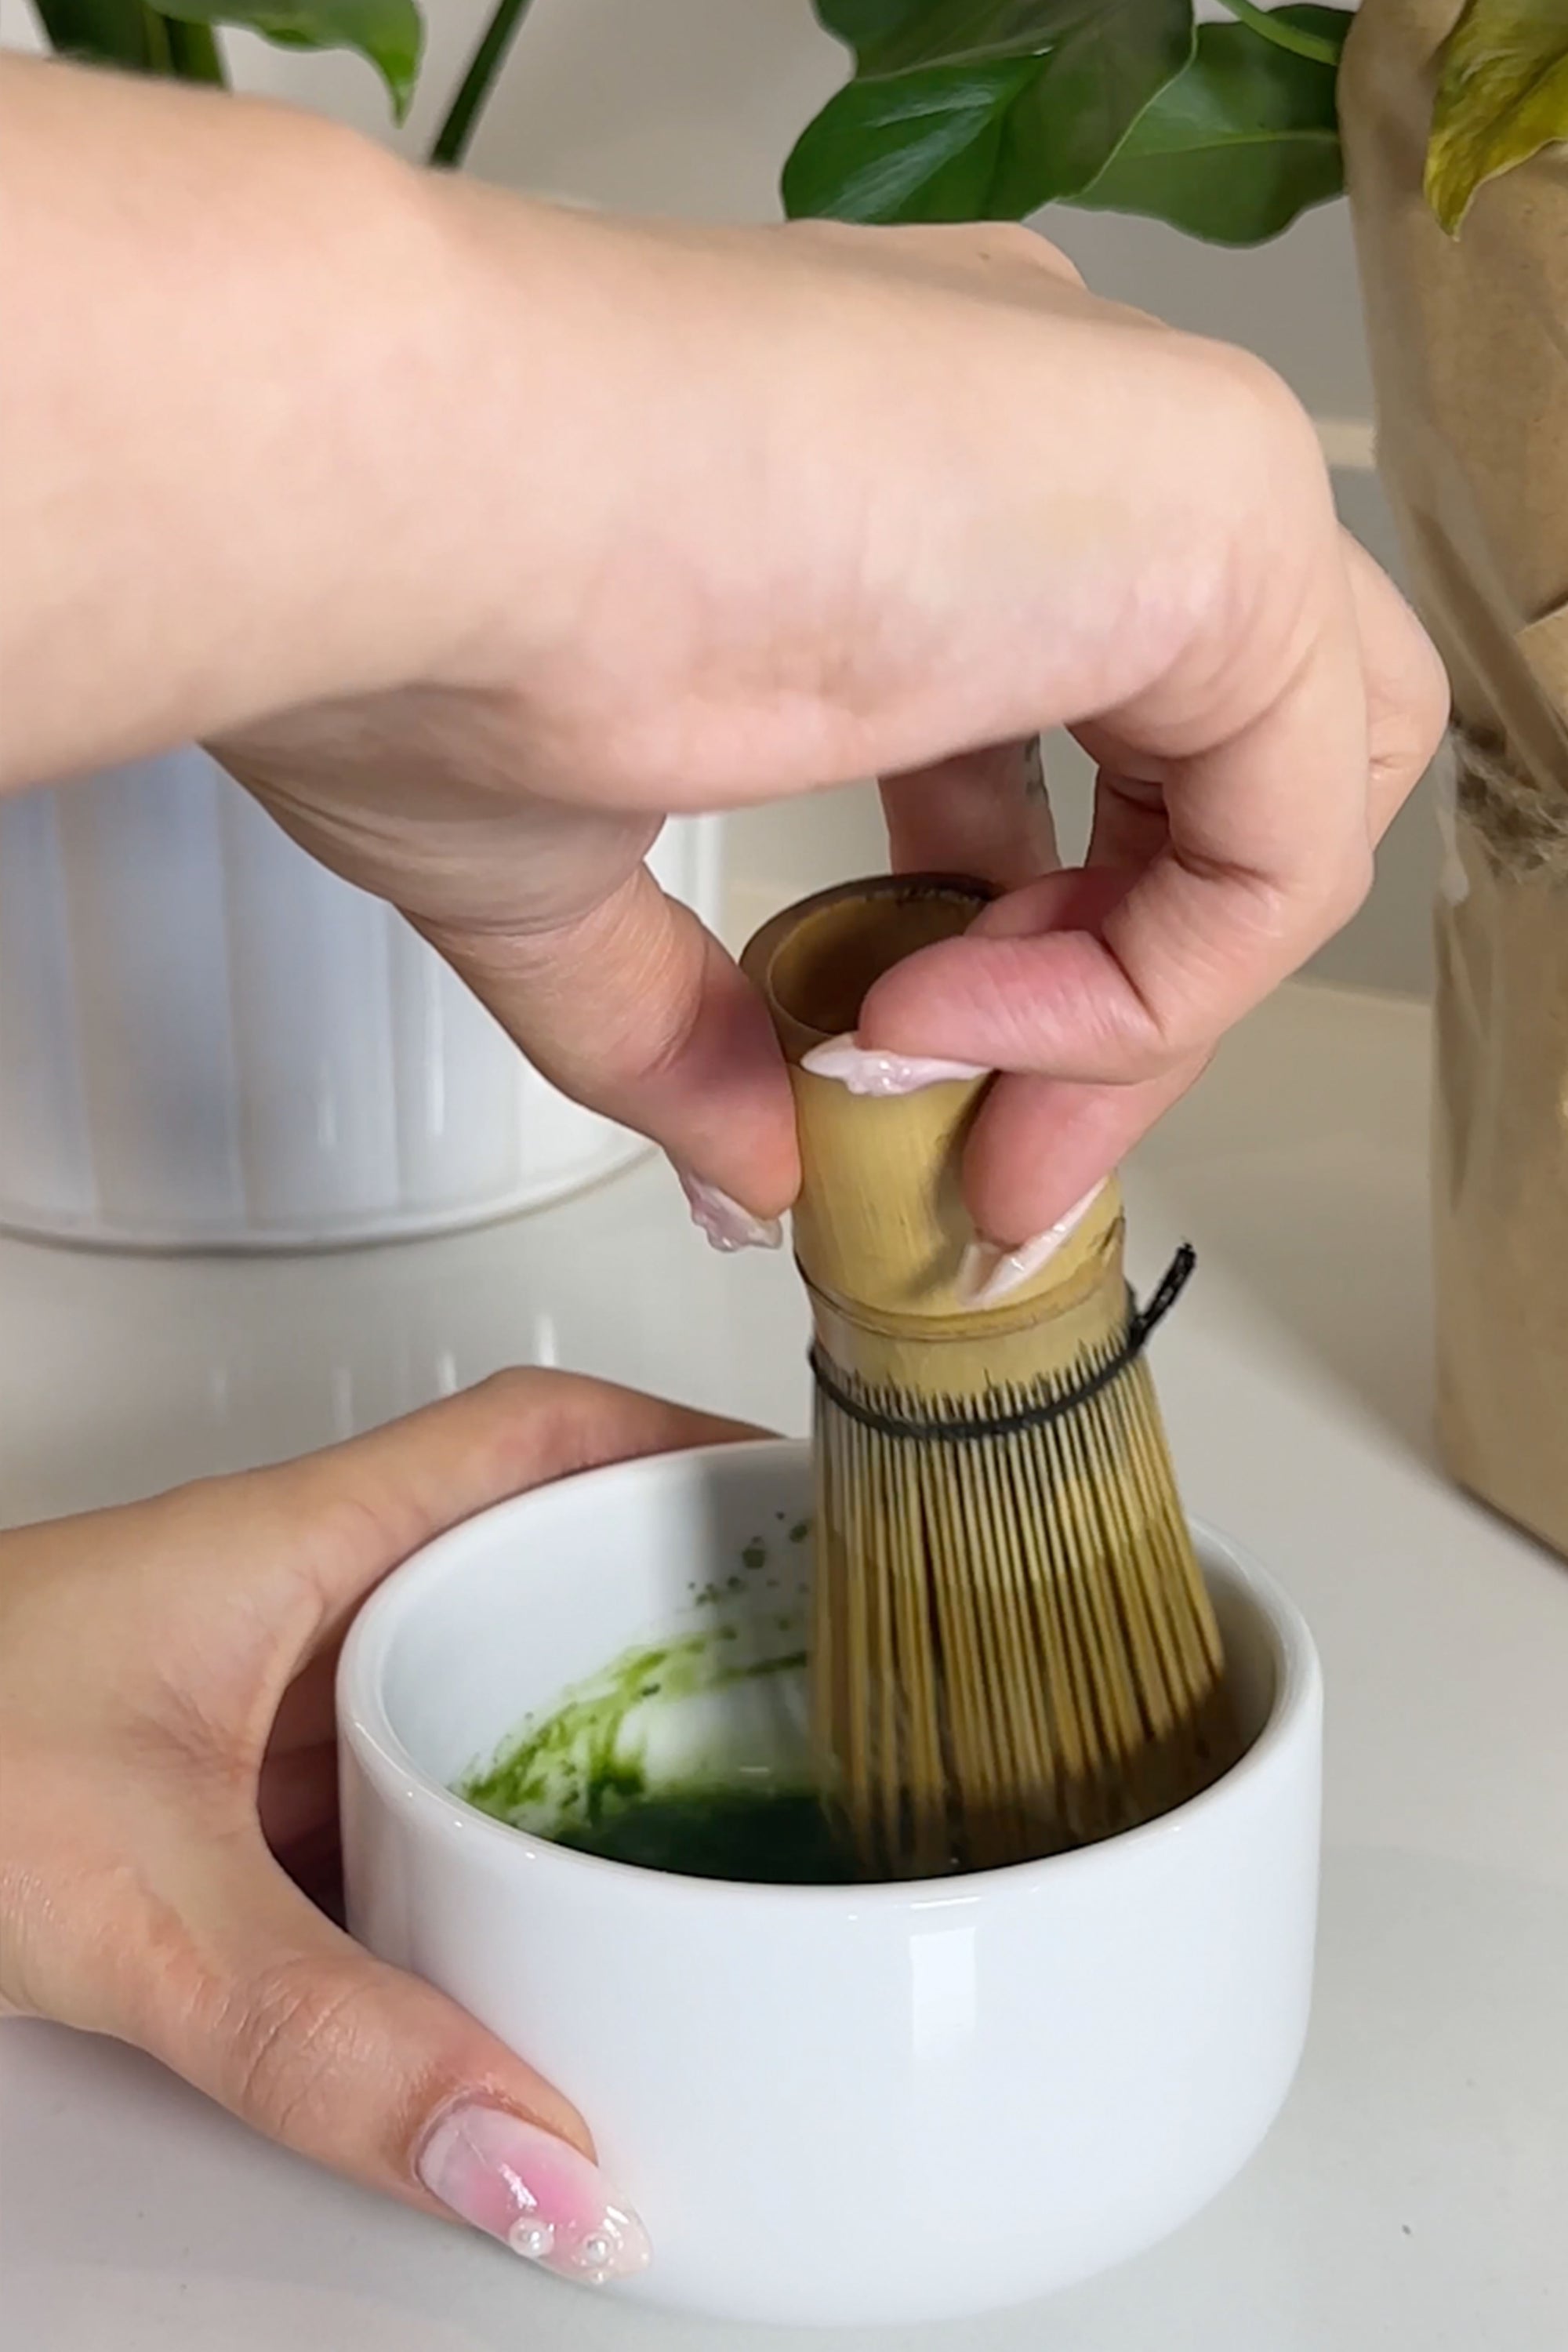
<point x="1013" y="1649"/>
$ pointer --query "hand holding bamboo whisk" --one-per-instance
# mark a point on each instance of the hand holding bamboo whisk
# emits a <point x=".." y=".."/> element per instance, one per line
<point x="1013" y="1648"/>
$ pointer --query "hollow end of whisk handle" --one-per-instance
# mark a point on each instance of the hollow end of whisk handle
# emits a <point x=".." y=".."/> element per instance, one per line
<point x="814" y="963"/>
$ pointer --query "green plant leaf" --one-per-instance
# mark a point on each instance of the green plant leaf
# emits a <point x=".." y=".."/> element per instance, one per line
<point x="390" y="33"/>
<point x="994" y="137"/>
<point x="923" y="148"/>
<point x="100" y="32"/>
<point x="1502" y="96"/>
<point x="1239" y="144"/>
<point x="982" y="32"/>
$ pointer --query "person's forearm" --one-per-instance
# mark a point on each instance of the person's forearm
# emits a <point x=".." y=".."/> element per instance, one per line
<point x="220" y="397"/>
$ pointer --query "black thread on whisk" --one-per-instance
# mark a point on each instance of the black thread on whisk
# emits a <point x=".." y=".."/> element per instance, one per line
<point x="965" y="1429"/>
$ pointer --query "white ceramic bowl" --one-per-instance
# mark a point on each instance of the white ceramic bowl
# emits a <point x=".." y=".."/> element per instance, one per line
<point x="830" y="2104"/>
<point x="209" y="1041"/>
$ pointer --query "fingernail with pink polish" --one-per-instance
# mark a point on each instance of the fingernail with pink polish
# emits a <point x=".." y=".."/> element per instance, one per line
<point x="988" y="1274"/>
<point x="867" y="1070"/>
<point x="533" y="2192"/>
<point x="727" y="1226"/>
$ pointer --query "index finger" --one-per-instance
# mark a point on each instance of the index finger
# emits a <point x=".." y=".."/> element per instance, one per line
<point x="1270" y="833"/>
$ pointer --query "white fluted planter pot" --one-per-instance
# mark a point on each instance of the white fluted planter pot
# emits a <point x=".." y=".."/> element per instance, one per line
<point x="208" y="1042"/>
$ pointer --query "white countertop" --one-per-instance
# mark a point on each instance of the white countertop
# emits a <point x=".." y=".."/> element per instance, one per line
<point x="1411" y="2196"/>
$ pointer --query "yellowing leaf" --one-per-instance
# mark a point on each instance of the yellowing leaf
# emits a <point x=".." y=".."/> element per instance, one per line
<point x="1502" y="96"/>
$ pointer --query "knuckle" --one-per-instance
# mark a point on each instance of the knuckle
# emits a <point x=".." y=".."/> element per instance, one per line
<point x="1047" y="256"/>
<point x="290" y="2033"/>
<point x="1262" y="391"/>
<point x="961" y="245"/>
<point x="1147" y="1031"/>
<point x="1011" y="241"/>
<point x="532" y="1414"/>
<point x="349" y="1529"/>
<point x="1406" y="737"/>
<point x="1155" y="1063"/>
<point x="517" y="1388"/>
<point x="1152" y="1054"/>
<point x="1261" y="418"/>
<point x="1351" y="887"/>
<point x="544" y="1424"/>
<point x="1010" y="245"/>
<point x="664" y="1013"/>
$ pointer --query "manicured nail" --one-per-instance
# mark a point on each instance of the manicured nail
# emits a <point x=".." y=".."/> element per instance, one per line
<point x="727" y="1226"/>
<point x="987" y="1274"/>
<point x="866" y="1070"/>
<point x="533" y="2192"/>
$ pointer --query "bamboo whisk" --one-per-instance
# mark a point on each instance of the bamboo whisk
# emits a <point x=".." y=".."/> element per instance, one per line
<point x="1013" y="1649"/>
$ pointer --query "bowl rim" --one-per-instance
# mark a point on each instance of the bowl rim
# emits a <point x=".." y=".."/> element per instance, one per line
<point x="364" y="1726"/>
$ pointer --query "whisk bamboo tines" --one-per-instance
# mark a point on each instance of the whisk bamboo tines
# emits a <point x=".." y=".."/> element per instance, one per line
<point x="1014" y="1649"/>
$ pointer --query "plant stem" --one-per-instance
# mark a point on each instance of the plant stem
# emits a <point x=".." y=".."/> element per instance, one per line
<point x="134" y="34"/>
<point x="1300" y="43"/>
<point x="462" y="120"/>
<point x="112" y="32"/>
<point x="193" y="52"/>
<point x="160" y="58"/>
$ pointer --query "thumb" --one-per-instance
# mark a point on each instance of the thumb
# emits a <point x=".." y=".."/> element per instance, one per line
<point x="635" y="1009"/>
<point x="309" y="2040"/>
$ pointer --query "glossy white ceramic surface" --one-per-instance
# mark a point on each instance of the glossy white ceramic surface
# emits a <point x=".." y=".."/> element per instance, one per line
<point x="207" y="1040"/>
<point x="832" y="2106"/>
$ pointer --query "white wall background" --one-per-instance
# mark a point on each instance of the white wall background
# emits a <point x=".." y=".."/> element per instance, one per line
<point x="687" y="107"/>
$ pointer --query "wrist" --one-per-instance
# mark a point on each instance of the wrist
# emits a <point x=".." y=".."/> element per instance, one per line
<point x="525" y="412"/>
<point x="221" y="446"/>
